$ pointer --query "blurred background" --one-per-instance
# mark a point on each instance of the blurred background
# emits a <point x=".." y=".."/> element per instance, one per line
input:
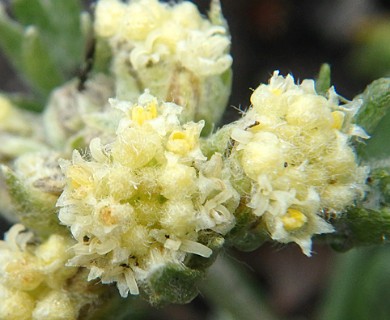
<point x="293" y="36"/>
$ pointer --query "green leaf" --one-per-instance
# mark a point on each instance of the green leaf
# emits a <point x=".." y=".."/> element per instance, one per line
<point x="64" y="32"/>
<point x="376" y="104"/>
<point x="11" y="38"/>
<point x="378" y="145"/>
<point x="323" y="81"/>
<point x="231" y="288"/>
<point x="58" y="22"/>
<point x="24" y="101"/>
<point x="380" y="182"/>
<point x="360" y="287"/>
<point x="172" y="283"/>
<point x="249" y="233"/>
<point x="374" y="117"/>
<point x="30" y="12"/>
<point x="38" y="66"/>
<point x="361" y="227"/>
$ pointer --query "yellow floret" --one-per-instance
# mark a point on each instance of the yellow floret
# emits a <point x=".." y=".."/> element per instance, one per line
<point x="338" y="119"/>
<point x="293" y="220"/>
<point x="179" y="142"/>
<point x="141" y="114"/>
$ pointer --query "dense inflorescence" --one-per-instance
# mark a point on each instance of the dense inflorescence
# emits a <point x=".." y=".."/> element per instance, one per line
<point x="139" y="203"/>
<point x="294" y="147"/>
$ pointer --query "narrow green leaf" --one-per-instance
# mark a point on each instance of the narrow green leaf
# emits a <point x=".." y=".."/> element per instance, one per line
<point x="30" y="12"/>
<point x="38" y="66"/>
<point x="248" y="301"/>
<point x="11" y="38"/>
<point x="360" y="286"/>
<point x="323" y="81"/>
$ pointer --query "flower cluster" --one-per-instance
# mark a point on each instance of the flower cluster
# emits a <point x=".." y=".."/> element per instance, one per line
<point x="33" y="278"/>
<point x="293" y="145"/>
<point x="171" y="50"/>
<point x="141" y="201"/>
<point x="153" y="31"/>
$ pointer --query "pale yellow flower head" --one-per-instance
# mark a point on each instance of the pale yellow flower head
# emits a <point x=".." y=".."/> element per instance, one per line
<point x="170" y="49"/>
<point x="293" y="144"/>
<point x="139" y="202"/>
<point x="152" y="30"/>
<point x="33" y="278"/>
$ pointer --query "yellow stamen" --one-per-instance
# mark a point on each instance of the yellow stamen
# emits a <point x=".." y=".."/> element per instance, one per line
<point x="180" y="142"/>
<point x="293" y="220"/>
<point x="176" y="135"/>
<point x="140" y="114"/>
<point x="338" y="119"/>
<point x="277" y="91"/>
